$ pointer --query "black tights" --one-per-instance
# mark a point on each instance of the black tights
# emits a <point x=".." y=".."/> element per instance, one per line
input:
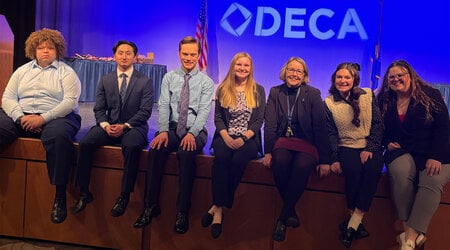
<point x="291" y="171"/>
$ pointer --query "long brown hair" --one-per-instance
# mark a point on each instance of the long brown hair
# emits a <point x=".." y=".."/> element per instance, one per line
<point x="417" y="93"/>
<point x="355" y="92"/>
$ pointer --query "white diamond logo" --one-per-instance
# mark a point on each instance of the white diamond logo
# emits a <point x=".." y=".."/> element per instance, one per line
<point x="247" y="15"/>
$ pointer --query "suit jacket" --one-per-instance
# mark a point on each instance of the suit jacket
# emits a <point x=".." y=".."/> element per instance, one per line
<point x="423" y="141"/>
<point x="311" y="115"/>
<point x="135" y="110"/>
<point x="222" y="117"/>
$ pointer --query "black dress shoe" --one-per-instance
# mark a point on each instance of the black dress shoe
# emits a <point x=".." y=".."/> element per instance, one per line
<point x="347" y="237"/>
<point x="361" y="232"/>
<point x="216" y="229"/>
<point x="293" y="221"/>
<point x="119" y="207"/>
<point x="279" y="233"/>
<point x="207" y="219"/>
<point x="146" y="217"/>
<point x="59" y="211"/>
<point x="182" y="223"/>
<point x="84" y="199"/>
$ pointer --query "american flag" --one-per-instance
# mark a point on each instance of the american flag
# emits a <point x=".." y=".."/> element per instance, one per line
<point x="201" y="33"/>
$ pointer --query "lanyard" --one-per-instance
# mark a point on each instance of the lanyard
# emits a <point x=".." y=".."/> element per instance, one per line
<point x="291" y="110"/>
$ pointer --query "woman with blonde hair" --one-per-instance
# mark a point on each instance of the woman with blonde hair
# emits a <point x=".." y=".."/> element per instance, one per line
<point x="238" y="117"/>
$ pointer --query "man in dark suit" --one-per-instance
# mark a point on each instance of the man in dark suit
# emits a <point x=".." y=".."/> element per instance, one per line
<point x="123" y="105"/>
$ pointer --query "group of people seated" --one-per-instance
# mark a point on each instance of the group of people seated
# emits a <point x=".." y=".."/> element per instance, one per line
<point x="352" y="132"/>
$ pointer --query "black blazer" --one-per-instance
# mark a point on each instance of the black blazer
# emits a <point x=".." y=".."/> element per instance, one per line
<point x="423" y="141"/>
<point x="222" y="117"/>
<point x="311" y="115"/>
<point x="136" y="108"/>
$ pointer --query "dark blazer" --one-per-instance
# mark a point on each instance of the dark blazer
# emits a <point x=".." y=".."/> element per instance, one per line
<point x="423" y="141"/>
<point x="311" y="115"/>
<point x="136" y="108"/>
<point x="222" y="117"/>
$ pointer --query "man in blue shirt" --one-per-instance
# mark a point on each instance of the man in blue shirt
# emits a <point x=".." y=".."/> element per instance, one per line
<point x="41" y="101"/>
<point x="173" y="136"/>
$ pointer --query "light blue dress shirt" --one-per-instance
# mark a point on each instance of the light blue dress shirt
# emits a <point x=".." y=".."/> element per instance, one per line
<point x="52" y="91"/>
<point x="201" y="90"/>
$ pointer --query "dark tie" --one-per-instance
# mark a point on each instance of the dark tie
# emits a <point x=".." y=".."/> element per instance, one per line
<point x="183" y="106"/>
<point x="123" y="86"/>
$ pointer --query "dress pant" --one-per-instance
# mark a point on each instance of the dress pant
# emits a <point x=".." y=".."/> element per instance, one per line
<point x="228" y="167"/>
<point x="57" y="137"/>
<point x="416" y="194"/>
<point x="361" y="180"/>
<point x="157" y="159"/>
<point x="132" y="143"/>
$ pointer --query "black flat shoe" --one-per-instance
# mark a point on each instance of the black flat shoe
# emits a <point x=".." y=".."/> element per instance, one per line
<point x="182" y="223"/>
<point x="119" y="207"/>
<point x="279" y="233"/>
<point x="293" y="221"/>
<point x="207" y="219"/>
<point x="59" y="211"/>
<point x="360" y="233"/>
<point x="146" y="217"/>
<point x="347" y="237"/>
<point x="216" y="229"/>
<point x="84" y="199"/>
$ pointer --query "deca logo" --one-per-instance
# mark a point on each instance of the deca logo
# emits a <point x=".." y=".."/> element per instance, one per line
<point x="237" y="19"/>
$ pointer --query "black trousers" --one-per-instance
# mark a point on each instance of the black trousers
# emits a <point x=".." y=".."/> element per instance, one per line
<point x="57" y="137"/>
<point x="228" y="168"/>
<point x="187" y="168"/>
<point x="132" y="143"/>
<point x="291" y="170"/>
<point x="361" y="180"/>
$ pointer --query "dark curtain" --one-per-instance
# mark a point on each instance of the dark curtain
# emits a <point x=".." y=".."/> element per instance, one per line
<point x="20" y="15"/>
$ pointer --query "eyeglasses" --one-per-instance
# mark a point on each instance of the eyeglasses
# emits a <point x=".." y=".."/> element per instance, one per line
<point x="297" y="71"/>
<point x="398" y="76"/>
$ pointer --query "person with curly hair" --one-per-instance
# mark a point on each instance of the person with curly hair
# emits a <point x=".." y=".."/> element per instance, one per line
<point x="416" y="139"/>
<point x="41" y="101"/>
<point x="355" y="128"/>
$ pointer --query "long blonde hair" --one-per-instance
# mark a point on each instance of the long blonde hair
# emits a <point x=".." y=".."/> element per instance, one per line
<point x="226" y="92"/>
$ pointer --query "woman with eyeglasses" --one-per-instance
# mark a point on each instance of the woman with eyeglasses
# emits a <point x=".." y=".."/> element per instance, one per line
<point x="417" y="155"/>
<point x="355" y="127"/>
<point x="295" y="139"/>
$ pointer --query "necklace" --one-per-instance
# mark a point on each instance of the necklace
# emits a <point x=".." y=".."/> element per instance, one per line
<point x="402" y="105"/>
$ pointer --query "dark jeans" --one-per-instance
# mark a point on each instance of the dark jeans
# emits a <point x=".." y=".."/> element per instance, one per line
<point x="186" y="161"/>
<point x="57" y="137"/>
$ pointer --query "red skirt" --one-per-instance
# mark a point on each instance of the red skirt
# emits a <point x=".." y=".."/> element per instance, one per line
<point x="297" y="144"/>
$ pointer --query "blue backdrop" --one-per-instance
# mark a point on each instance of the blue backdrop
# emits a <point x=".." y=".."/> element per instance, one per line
<point x="324" y="33"/>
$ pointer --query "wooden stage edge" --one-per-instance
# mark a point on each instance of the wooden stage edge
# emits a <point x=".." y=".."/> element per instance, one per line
<point x="26" y="198"/>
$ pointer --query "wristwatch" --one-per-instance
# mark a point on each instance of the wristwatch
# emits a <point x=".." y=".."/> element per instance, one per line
<point x="244" y="138"/>
<point x="18" y="120"/>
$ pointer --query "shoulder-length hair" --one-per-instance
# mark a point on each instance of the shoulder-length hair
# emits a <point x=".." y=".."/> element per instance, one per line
<point x="226" y="92"/>
<point x="302" y="62"/>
